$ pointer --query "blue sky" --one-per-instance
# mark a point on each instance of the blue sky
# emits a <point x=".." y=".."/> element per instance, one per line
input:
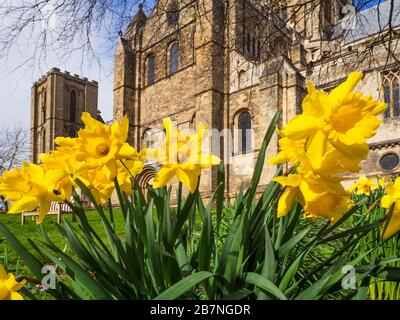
<point x="365" y="4"/>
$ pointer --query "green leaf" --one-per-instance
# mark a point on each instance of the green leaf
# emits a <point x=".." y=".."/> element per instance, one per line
<point x="351" y="232"/>
<point x="184" y="285"/>
<point x="33" y="264"/>
<point x="238" y="294"/>
<point x="313" y="291"/>
<point x="263" y="283"/>
<point x="290" y="273"/>
<point x="292" y="242"/>
<point x="250" y="193"/>
<point x="220" y="194"/>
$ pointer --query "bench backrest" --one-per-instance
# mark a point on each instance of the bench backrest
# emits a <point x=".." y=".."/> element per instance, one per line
<point x="55" y="206"/>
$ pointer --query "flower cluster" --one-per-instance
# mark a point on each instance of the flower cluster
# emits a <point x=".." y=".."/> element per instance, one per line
<point x="99" y="157"/>
<point x="9" y="286"/>
<point x="326" y="140"/>
<point x="364" y="186"/>
<point x="95" y="157"/>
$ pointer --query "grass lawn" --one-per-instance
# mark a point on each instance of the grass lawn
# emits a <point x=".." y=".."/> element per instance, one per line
<point x="33" y="231"/>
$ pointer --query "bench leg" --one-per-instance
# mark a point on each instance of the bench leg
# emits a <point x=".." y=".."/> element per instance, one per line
<point x="58" y="217"/>
<point x="22" y="219"/>
<point x="73" y="217"/>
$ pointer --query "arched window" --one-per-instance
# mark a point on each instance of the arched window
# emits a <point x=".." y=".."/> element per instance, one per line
<point x="244" y="133"/>
<point x="391" y="94"/>
<point x="72" y="106"/>
<point x="253" y="45"/>
<point x="396" y="102"/>
<point x="148" y="138"/>
<point x="44" y="141"/>
<point x="387" y="99"/>
<point x="72" y="132"/>
<point x="44" y="105"/>
<point x="280" y="47"/>
<point x="241" y="79"/>
<point x="284" y="14"/>
<point x="174" y="58"/>
<point x="327" y="11"/>
<point x="248" y="44"/>
<point x="173" y="13"/>
<point x="150" y="70"/>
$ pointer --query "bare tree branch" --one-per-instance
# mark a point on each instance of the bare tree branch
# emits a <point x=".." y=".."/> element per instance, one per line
<point x="13" y="150"/>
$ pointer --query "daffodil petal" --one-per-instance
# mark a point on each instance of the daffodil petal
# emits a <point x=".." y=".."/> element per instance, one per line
<point x="189" y="178"/>
<point x="300" y="127"/>
<point x="24" y="204"/>
<point x="163" y="177"/>
<point x="286" y="201"/>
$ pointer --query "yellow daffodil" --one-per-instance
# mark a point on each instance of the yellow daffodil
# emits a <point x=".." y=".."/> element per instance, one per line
<point x="318" y="196"/>
<point x="63" y="158"/>
<point x="14" y="183"/>
<point x="9" y="286"/>
<point x="100" y="145"/>
<point x="102" y="187"/>
<point x="290" y="150"/>
<point x="181" y="155"/>
<point x="382" y="182"/>
<point x="363" y="186"/>
<point x="38" y="190"/>
<point x="392" y="197"/>
<point x="342" y="118"/>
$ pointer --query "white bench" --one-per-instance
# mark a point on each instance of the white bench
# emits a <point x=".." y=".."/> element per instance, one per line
<point x="56" y="208"/>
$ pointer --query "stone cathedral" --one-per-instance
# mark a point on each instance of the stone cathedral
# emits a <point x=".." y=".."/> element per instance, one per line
<point x="231" y="64"/>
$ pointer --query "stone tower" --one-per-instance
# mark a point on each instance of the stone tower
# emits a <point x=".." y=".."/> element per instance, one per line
<point x="57" y="102"/>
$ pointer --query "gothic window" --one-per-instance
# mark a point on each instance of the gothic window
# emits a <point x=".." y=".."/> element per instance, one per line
<point x="396" y="102"/>
<point x="241" y="79"/>
<point x="72" y="106"/>
<point x="253" y="45"/>
<point x="284" y="14"/>
<point x="280" y="48"/>
<point x="386" y="89"/>
<point x="72" y="132"/>
<point x="327" y="11"/>
<point x="391" y="94"/>
<point x="150" y="70"/>
<point x="44" y="141"/>
<point x="174" y="58"/>
<point x="244" y="133"/>
<point x="173" y="13"/>
<point x="248" y="45"/>
<point x="44" y="105"/>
